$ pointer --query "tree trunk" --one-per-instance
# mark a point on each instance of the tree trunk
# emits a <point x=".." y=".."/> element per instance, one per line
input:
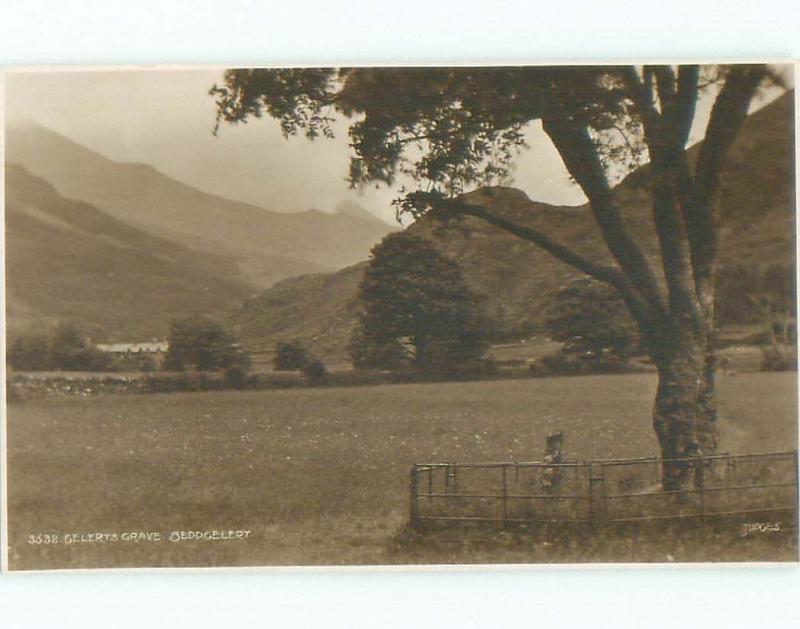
<point x="685" y="411"/>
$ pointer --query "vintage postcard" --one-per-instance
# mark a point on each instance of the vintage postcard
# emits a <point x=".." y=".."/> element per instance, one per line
<point x="360" y="316"/>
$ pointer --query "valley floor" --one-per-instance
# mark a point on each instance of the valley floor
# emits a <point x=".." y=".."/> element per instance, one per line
<point x="320" y="476"/>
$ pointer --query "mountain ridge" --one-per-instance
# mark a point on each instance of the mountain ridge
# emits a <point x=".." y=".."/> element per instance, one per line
<point x="268" y="245"/>
<point x="67" y="260"/>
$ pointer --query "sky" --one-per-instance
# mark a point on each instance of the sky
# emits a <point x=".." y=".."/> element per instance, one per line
<point x="164" y="117"/>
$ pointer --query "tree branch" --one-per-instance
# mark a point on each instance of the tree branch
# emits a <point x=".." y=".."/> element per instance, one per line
<point x="579" y="154"/>
<point x="608" y="274"/>
<point x="666" y="133"/>
<point x="665" y="79"/>
<point x="727" y="117"/>
<point x="685" y="102"/>
<point x="641" y="93"/>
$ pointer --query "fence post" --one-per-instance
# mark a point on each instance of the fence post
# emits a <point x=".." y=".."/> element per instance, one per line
<point x="604" y="491"/>
<point x="796" y="490"/>
<point x="505" y="496"/>
<point x="699" y="474"/>
<point x="414" y="495"/>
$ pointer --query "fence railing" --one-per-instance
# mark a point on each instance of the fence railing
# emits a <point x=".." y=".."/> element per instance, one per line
<point x="615" y="490"/>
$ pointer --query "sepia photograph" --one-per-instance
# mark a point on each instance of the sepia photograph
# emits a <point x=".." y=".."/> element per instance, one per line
<point x="400" y="315"/>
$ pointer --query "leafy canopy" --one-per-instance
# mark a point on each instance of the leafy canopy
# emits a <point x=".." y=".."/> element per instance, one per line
<point x="290" y="355"/>
<point x="449" y="128"/>
<point x="203" y="344"/>
<point x="416" y="308"/>
<point x="29" y="352"/>
<point x="592" y="321"/>
<point x="445" y="128"/>
<point x="71" y="350"/>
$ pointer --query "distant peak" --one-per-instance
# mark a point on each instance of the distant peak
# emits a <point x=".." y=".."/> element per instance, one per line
<point x="28" y="125"/>
<point x="351" y="208"/>
<point x="493" y="194"/>
<point x="355" y="210"/>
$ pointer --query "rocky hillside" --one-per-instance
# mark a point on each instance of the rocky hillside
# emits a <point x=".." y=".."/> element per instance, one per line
<point x="67" y="260"/>
<point x="516" y="280"/>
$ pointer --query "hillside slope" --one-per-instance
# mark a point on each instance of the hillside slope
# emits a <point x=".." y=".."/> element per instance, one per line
<point x="267" y="245"/>
<point x="67" y="260"/>
<point x="516" y="280"/>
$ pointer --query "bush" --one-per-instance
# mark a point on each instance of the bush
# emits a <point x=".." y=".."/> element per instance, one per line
<point x="29" y="353"/>
<point x="376" y="352"/>
<point x="92" y="359"/>
<point x="67" y="348"/>
<point x="147" y="363"/>
<point x="357" y="378"/>
<point x="562" y="364"/>
<point x="201" y="343"/>
<point x="592" y="321"/>
<point x="70" y="350"/>
<point x="197" y="381"/>
<point x="315" y="371"/>
<point x="568" y="364"/>
<point x="15" y="392"/>
<point x="290" y="356"/>
<point x="236" y="377"/>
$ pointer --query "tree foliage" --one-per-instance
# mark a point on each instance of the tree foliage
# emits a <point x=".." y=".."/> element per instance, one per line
<point x="749" y="293"/>
<point x="71" y="350"/>
<point x="290" y="356"/>
<point x="592" y="322"/>
<point x="314" y="370"/>
<point x="203" y="344"/>
<point x="66" y="348"/>
<point x="29" y="352"/>
<point x="416" y="308"/>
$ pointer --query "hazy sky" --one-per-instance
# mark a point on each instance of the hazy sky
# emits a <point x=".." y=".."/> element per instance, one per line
<point x="164" y="117"/>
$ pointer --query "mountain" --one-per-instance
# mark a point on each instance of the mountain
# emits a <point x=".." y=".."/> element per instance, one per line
<point x="516" y="280"/>
<point x="68" y="260"/>
<point x="267" y="245"/>
<point x="354" y="210"/>
<point x="320" y="309"/>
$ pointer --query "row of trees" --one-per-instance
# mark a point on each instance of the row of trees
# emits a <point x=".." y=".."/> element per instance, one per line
<point x="65" y="348"/>
<point x="292" y="356"/>
<point x="202" y="344"/>
<point x="417" y="310"/>
<point x="197" y="343"/>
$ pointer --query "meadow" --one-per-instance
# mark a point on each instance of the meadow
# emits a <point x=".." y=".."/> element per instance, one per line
<point x="317" y="475"/>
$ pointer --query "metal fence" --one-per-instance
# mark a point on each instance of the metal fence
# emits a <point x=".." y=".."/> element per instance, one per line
<point x="618" y="490"/>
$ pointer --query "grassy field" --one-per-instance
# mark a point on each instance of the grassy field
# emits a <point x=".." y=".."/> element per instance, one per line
<point x="319" y="476"/>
